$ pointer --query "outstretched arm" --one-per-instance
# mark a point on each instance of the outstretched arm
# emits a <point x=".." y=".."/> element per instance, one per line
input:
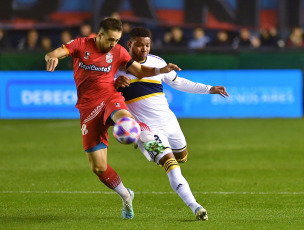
<point x="52" y="58"/>
<point x="141" y="71"/>
<point x="186" y="85"/>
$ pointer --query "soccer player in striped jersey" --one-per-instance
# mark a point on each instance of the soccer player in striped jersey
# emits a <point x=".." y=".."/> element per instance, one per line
<point x="147" y="103"/>
<point x="95" y="62"/>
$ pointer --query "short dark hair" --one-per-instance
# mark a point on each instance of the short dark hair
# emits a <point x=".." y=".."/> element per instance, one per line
<point x="140" y="32"/>
<point x="110" y="24"/>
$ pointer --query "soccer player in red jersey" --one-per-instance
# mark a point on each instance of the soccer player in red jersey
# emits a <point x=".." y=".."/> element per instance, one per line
<point x="95" y="61"/>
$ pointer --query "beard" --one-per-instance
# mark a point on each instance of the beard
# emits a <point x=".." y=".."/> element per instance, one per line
<point x="107" y="49"/>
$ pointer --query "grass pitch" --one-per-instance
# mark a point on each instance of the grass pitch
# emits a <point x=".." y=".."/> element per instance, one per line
<point x="247" y="173"/>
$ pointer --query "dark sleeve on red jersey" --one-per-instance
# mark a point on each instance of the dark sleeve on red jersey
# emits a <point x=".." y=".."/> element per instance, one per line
<point x="129" y="63"/>
<point x="72" y="47"/>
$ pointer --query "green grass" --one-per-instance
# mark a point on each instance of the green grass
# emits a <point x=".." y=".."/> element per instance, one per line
<point x="248" y="174"/>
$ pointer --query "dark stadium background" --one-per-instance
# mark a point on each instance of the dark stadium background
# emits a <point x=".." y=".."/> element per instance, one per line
<point x="49" y="18"/>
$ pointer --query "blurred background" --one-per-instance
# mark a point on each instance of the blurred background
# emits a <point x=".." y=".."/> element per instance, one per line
<point x="252" y="47"/>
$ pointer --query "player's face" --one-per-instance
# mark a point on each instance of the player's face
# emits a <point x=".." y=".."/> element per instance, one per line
<point x="108" y="40"/>
<point x="139" y="48"/>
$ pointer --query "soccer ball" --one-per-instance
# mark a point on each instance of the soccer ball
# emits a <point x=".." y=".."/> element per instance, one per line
<point x="126" y="130"/>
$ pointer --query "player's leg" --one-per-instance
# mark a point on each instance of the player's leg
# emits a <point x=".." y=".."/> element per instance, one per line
<point x="120" y="113"/>
<point x="177" y="142"/>
<point x="176" y="138"/>
<point x="107" y="175"/>
<point x="180" y="185"/>
<point x="146" y="136"/>
<point x="95" y="141"/>
<point x="181" y="155"/>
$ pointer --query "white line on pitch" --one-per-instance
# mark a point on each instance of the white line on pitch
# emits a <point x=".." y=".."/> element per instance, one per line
<point x="101" y="192"/>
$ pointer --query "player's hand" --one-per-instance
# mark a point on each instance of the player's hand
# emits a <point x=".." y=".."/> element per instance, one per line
<point x="122" y="82"/>
<point x="169" y="68"/>
<point x="52" y="58"/>
<point x="221" y="90"/>
<point x="51" y="64"/>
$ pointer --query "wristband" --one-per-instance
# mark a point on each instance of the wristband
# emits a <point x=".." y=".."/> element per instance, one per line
<point x="157" y="71"/>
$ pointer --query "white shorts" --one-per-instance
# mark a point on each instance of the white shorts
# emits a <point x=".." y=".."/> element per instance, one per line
<point x="171" y="136"/>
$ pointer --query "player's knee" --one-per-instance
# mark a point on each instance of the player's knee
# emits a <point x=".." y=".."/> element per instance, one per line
<point x="181" y="157"/>
<point x="170" y="164"/>
<point x="121" y="113"/>
<point x="98" y="170"/>
<point x="165" y="157"/>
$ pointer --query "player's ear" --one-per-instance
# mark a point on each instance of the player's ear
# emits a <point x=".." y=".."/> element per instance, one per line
<point x="100" y="34"/>
<point x="129" y="44"/>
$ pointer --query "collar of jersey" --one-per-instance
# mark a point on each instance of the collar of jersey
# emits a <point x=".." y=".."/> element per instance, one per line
<point x="141" y="62"/>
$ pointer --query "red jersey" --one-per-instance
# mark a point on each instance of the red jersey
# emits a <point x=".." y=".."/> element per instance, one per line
<point x="94" y="71"/>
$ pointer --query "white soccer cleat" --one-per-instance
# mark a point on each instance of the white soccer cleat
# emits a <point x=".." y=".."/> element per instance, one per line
<point x="201" y="214"/>
<point x="127" y="210"/>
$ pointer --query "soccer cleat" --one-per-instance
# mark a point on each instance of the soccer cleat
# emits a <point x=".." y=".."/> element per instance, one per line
<point x="201" y="214"/>
<point x="154" y="146"/>
<point x="127" y="210"/>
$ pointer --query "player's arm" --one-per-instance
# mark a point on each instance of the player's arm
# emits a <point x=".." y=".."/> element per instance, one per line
<point x="186" y="85"/>
<point x="52" y="58"/>
<point x="141" y="71"/>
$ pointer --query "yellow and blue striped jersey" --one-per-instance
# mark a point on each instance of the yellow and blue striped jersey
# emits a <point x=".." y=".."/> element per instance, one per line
<point x="145" y="97"/>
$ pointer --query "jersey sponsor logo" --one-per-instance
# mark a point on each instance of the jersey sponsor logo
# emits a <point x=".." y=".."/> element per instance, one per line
<point x="95" y="68"/>
<point x="117" y="104"/>
<point x="87" y="54"/>
<point x="109" y="58"/>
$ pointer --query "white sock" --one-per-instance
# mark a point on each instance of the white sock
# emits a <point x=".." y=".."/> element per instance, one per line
<point x="181" y="187"/>
<point x="122" y="191"/>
